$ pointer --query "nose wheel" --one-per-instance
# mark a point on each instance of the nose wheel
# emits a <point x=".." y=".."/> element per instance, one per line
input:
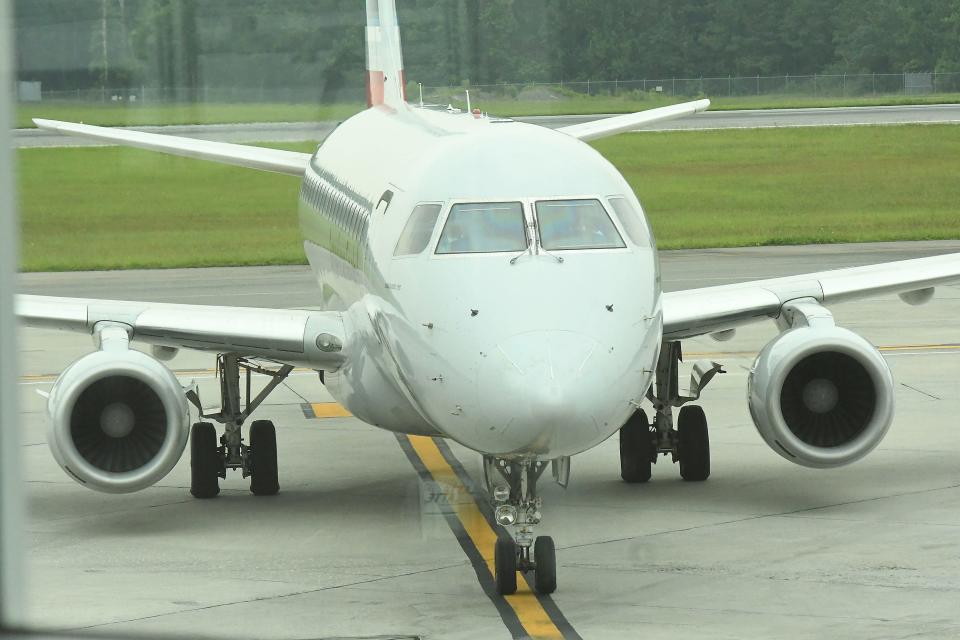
<point x="518" y="509"/>
<point x="505" y="562"/>
<point x="509" y="558"/>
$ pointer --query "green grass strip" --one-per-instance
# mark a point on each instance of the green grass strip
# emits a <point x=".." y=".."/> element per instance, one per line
<point x="122" y="114"/>
<point x="113" y="208"/>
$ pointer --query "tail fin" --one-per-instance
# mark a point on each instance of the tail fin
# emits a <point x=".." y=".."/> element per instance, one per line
<point x="385" y="79"/>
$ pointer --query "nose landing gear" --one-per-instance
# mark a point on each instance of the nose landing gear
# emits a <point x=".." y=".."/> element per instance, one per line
<point x="518" y="507"/>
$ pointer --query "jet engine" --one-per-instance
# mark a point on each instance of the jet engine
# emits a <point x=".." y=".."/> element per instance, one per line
<point x="821" y="396"/>
<point x="118" y="419"/>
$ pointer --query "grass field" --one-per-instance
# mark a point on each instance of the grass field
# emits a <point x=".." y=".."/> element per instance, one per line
<point x="213" y="113"/>
<point x="100" y="208"/>
<point x="599" y="104"/>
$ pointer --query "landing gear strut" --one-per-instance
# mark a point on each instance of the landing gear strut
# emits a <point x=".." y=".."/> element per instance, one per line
<point x="518" y="507"/>
<point x="257" y="460"/>
<point x="689" y="443"/>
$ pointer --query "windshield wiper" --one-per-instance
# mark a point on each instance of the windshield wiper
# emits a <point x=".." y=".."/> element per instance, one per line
<point x="536" y="231"/>
<point x="514" y="259"/>
<point x="528" y="231"/>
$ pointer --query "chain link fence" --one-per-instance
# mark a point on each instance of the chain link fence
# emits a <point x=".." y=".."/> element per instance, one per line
<point x="187" y="95"/>
<point x="786" y="86"/>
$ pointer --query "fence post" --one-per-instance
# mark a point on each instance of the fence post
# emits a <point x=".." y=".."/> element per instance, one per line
<point x="616" y="87"/>
<point x="674" y="87"/>
<point x="758" y="84"/>
<point x="843" y="90"/>
<point x="814" y="85"/>
<point x="588" y="86"/>
<point x="729" y="86"/>
<point x="874" y="83"/>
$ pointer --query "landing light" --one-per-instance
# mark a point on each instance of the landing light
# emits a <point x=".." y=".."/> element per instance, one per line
<point x="506" y="515"/>
<point x="328" y="343"/>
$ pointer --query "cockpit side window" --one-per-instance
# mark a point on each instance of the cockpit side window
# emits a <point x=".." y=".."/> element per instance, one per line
<point x="418" y="230"/>
<point x="632" y="220"/>
<point x="576" y="224"/>
<point x="484" y="227"/>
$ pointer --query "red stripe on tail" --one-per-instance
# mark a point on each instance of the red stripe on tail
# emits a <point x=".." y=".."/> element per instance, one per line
<point x="375" y="88"/>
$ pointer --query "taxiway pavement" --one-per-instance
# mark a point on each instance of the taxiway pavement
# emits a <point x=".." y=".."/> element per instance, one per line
<point x="355" y="546"/>
<point x="746" y="119"/>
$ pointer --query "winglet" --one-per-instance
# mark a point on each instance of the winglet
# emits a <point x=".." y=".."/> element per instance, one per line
<point x="631" y="121"/>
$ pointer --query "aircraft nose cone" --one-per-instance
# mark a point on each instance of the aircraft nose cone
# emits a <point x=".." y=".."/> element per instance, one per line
<point x="532" y="386"/>
<point x="549" y="402"/>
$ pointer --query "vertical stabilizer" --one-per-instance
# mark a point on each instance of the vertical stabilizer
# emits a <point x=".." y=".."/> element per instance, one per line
<point x="385" y="79"/>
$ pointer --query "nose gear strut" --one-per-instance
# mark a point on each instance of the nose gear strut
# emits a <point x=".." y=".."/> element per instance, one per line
<point x="517" y="507"/>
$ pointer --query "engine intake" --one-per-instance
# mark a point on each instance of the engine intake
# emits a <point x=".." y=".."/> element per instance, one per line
<point x="821" y="396"/>
<point x="118" y="421"/>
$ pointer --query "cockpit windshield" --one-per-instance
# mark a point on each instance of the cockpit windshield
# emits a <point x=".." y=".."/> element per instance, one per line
<point x="576" y="224"/>
<point x="485" y="227"/>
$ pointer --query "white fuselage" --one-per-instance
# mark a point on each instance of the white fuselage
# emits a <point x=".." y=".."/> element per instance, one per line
<point x="534" y="357"/>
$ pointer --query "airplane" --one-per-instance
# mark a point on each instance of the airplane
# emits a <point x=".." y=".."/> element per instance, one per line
<point x="483" y="280"/>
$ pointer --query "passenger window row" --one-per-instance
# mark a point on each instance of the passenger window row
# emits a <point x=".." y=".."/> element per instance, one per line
<point x="345" y="209"/>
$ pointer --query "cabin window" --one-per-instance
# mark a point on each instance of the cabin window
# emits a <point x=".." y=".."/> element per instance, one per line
<point x="418" y="231"/>
<point x="632" y="220"/>
<point x="485" y="227"/>
<point x="576" y="224"/>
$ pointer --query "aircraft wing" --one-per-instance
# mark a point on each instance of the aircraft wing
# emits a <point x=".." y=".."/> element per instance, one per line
<point x="632" y="121"/>
<point x="275" y="160"/>
<point x="310" y="338"/>
<point x="696" y="312"/>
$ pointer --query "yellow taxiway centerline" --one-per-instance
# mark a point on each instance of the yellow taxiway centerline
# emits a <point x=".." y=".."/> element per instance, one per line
<point x="531" y="613"/>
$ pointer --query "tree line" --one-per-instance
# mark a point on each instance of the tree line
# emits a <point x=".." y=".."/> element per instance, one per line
<point x="195" y="43"/>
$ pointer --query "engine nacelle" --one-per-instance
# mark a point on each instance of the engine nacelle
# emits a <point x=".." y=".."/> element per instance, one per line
<point x="118" y="420"/>
<point x="821" y="396"/>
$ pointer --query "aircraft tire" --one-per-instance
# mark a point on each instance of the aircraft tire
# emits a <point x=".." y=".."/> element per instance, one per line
<point x="694" y="445"/>
<point x="264" y="479"/>
<point x="505" y="566"/>
<point x="205" y="461"/>
<point x="545" y="557"/>
<point x="637" y="449"/>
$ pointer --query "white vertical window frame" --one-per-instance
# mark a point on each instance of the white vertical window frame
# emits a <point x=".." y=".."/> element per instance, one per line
<point x="11" y="481"/>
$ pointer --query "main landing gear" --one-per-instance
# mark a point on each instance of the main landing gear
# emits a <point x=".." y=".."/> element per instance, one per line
<point x="210" y="459"/>
<point x="689" y="443"/>
<point x="518" y="507"/>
